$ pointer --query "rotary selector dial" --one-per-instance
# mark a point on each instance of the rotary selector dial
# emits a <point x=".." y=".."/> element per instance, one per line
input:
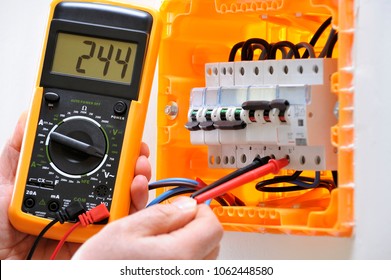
<point x="77" y="146"/>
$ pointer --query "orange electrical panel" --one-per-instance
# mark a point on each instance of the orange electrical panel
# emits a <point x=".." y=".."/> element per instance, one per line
<point x="197" y="41"/>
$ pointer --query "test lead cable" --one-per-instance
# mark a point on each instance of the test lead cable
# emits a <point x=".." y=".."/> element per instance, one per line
<point x="273" y="166"/>
<point x="39" y="237"/>
<point x="257" y="162"/>
<point x="95" y="215"/>
<point x="71" y="212"/>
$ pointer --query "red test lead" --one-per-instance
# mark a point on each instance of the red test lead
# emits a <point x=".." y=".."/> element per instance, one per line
<point x="273" y="166"/>
<point x="95" y="215"/>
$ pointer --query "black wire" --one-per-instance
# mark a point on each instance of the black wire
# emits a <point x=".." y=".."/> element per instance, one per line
<point x="234" y="50"/>
<point x="324" y="51"/>
<point x="39" y="237"/>
<point x="281" y="46"/>
<point x="257" y="162"/>
<point x="247" y="50"/>
<point x="307" y="46"/>
<point x="263" y="185"/>
<point x="320" y="31"/>
<point x="239" y="202"/>
<point x="335" y="177"/>
<point x="279" y="189"/>
<point x="322" y="184"/>
<point x="250" y="45"/>
<point x="278" y="179"/>
<point x="257" y="47"/>
<point x="317" y="35"/>
<point x="264" y="54"/>
<point x="221" y="201"/>
<point x="330" y="49"/>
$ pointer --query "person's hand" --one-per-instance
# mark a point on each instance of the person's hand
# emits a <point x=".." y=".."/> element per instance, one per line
<point x="180" y="230"/>
<point x="15" y="244"/>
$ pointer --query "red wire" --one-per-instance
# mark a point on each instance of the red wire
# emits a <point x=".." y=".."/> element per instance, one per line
<point x="94" y="215"/>
<point x="63" y="239"/>
<point x="273" y="166"/>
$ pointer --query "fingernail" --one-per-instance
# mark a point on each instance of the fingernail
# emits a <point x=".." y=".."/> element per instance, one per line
<point x="185" y="203"/>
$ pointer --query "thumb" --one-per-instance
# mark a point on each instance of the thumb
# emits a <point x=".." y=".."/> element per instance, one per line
<point x="10" y="154"/>
<point x="161" y="218"/>
<point x="16" y="140"/>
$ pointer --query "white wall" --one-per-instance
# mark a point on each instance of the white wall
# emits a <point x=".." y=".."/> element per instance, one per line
<point x="22" y="25"/>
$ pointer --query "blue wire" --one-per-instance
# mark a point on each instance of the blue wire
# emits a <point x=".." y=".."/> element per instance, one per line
<point x="175" y="191"/>
<point x="168" y="180"/>
<point x="170" y="193"/>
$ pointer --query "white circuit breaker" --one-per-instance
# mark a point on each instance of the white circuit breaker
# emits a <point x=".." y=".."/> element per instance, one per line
<point x="279" y="108"/>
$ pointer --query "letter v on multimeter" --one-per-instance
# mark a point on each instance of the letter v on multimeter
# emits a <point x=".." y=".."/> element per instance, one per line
<point x="86" y="120"/>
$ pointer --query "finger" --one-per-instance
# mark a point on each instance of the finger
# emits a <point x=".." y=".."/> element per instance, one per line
<point x="148" y="234"/>
<point x="143" y="167"/>
<point x="144" y="150"/>
<point x="139" y="193"/>
<point x="16" y="140"/>
<point x="10" y="154"/>
<point x="160" y="219"/>
<point x="214" y="254"/>
<point x="200" y="237"/>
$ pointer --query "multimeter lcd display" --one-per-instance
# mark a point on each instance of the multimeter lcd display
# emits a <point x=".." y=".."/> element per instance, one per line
<point x="95" y="58"/>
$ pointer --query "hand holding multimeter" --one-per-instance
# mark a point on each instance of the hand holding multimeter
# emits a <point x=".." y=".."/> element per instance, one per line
<point x="86" y="119"/>
<point x="126" y="238"/>
<point x="82" y="141"/>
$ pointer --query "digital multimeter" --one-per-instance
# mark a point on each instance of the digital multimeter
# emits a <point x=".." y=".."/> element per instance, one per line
<point x="86" y="120"/>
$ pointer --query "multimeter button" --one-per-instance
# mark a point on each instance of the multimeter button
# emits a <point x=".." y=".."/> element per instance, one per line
<point x="120" y="108"/>
<point x="52" y="97"/>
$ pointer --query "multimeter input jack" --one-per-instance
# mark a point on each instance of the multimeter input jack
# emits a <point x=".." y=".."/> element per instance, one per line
<point x="102" y="191"/>
<point x="54" y="206"/>
<point x="29" y="202"/>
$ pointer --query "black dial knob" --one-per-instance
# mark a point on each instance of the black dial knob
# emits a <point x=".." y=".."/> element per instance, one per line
<point x="77" y="146"/>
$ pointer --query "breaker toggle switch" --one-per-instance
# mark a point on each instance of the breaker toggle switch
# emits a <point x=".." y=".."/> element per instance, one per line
<point x="281" y="105"/>
<point x="208" y="125"/>
<point x="192" y="126"/>
<point x="230" y="125"/>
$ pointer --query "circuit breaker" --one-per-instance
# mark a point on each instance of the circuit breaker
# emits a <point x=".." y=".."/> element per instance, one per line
<point x="265" y="108"/>
<point x="240" y="80"/>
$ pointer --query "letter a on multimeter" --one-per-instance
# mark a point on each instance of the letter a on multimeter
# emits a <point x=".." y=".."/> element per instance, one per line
<point x="87" y="115"/>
